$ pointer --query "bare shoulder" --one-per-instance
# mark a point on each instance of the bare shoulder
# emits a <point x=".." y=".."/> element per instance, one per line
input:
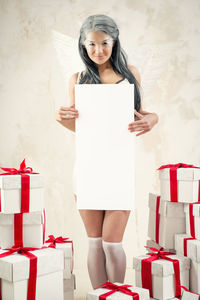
<point x="135" y="73"/>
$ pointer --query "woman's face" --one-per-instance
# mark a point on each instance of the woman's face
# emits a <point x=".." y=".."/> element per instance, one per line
<point x="99" y="46"/>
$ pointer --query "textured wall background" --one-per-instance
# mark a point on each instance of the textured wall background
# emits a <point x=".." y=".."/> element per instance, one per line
<point x="31" y="87"/>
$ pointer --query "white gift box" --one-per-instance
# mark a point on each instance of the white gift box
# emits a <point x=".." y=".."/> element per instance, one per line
<point x="171" y="221"/>
<point x="153" y="244"/>
<point x="14" y="274"/>
<point x="163" y="275"/>
<point x="94" y="294"/>
<point x="10" y="193"/>
<point x="69" y="287"/>
<point x="32" y="229"/>
<point x="193" y="252"/>
<point x="187" y="184"/>
<point x="189" y="296"/>
<point x="66" y="249"/>
<point x="196" y="216"/>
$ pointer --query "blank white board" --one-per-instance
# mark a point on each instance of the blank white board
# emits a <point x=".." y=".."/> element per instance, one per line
<point x="105" y="168"/>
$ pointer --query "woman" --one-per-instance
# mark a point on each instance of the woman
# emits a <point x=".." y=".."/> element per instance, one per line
<point x="105" y="63"/>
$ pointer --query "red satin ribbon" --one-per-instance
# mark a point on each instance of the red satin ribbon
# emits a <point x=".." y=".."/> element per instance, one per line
<point x="146" y="269"/>
<point x="185" y="240"/>
<point x="184" y="288"/>
<point x="157" y="220"/>
<point x="173" y="179"/>
<point x="25" y="183"/>
<point x="31" y="292"/>
<point x="60" y="240"/>
<point x="192" y="220"/>
<point x="18" y="230"/>
<point x="117" y="288"/>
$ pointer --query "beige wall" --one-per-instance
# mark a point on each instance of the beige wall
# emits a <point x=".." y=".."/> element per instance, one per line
<point x="31" y="86"/>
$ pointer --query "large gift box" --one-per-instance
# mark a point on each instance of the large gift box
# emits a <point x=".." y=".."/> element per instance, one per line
<point x="162" y="274"/>
<point x="165" y="219"/>
<point x="23" y="229"/>
<point x="65" y="245"/>
<point x="179" y="183"/>
<point x="69" y="287"/>
<point x="118" y="291"/>
<point x="192" y="211"/>
<point x="190" y="247"/>
<point x="16" y="196"/>
<point x="32" y="275"/>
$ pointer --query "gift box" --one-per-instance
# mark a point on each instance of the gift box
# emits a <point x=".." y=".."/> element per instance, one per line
<point x="64" y="245"/>
<point x="11" y="193"/>
<point x="46" y="276"/>
<point x="187" y="295"/>
<point x="23" y="229"/>
<point x="192" y="212"/>
<point x="162" y="276"/>
<point x="165" y="220"/>
<point x="151" y="243"/>
<point x="179" y="183"/>
<point x="117" y="290"/>
<point x="69" y="287"/>
<point x="186" y="245"/>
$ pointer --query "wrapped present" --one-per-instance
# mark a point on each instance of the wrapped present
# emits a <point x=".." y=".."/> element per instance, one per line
<point x="162" y="273"/>
<point x="21" y="190"/>
<point x="190" y="247"/>
<point x="69" y="287"/>
<point x="117" y="290"/>
<point x="188" y="295"/>
<point x="66" y="246"/>
<point x="165" y="219"/>
<point x="180" y="183"/>
<point x="152" y="244"/>
<point x="31" y="273"/>
<point x="22" y="230"/>
<point x="192" y="212"/>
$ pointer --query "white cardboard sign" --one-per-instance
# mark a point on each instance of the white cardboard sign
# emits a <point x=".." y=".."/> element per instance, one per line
<point x="105" y="176"/>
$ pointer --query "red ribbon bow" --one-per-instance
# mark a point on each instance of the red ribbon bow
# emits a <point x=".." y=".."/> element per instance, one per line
<point x="117" y="288"/>
<point x="31" y="292"/>
<point x="25" y="183"/>
<point x="146" y="269"/>
<point x="173" y="178"/>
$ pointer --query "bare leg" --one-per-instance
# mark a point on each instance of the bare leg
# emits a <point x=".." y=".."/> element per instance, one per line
<point x="114" y="225"/>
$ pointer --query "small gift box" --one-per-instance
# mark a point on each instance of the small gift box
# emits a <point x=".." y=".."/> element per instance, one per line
<point x="28" y="274"/>
<point x="23" y="229"/>
<point x="69" y="287"/>
<point x="66" y="246"/>
<point x="165" y="220"/>
<point x="188" y="295"/>
<point x="190" y="247"/>
<point x="113" y="291"/>
<point x="162" y="273"/>
<point x="179" y="183"/>
<point x="192" y="212"/>
<point x="21" y="190"/>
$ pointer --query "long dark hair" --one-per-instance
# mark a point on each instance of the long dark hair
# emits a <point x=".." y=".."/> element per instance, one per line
<point x="118" y="57"/>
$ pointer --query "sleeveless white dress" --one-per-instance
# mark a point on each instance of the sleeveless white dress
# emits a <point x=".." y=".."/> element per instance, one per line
<point x="122" y="81"/>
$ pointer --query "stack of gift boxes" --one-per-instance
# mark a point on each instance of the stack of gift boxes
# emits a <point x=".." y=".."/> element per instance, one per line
<point x="30" y="267"/>
<point x="171" y="267"/>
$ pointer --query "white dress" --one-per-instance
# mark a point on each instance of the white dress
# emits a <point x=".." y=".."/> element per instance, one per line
<point x="122" y="81"/>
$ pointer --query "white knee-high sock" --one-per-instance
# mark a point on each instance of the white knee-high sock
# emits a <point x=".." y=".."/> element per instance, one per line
<point x="115" y="261"/>
<point x="96" y="262"/>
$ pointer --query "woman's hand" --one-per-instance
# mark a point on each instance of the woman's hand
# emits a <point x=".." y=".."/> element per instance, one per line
<point x="143" y="123"/>
<point x="67" y="113"/>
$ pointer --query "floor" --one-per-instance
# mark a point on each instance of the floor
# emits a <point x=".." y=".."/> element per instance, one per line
<point x="83" y="282"/>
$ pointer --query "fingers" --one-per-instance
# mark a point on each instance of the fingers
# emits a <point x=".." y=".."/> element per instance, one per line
<point x="140" y="116"/>
<point x="144" y="131"/>
<point x="67" y="113"/>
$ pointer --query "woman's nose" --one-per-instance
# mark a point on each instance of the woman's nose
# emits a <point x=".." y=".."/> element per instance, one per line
<point x="99" y="49"/>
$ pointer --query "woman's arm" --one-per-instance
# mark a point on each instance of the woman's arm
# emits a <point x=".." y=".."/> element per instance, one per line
<point x="66" y="115"/>
<point x="144" y="120"/>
